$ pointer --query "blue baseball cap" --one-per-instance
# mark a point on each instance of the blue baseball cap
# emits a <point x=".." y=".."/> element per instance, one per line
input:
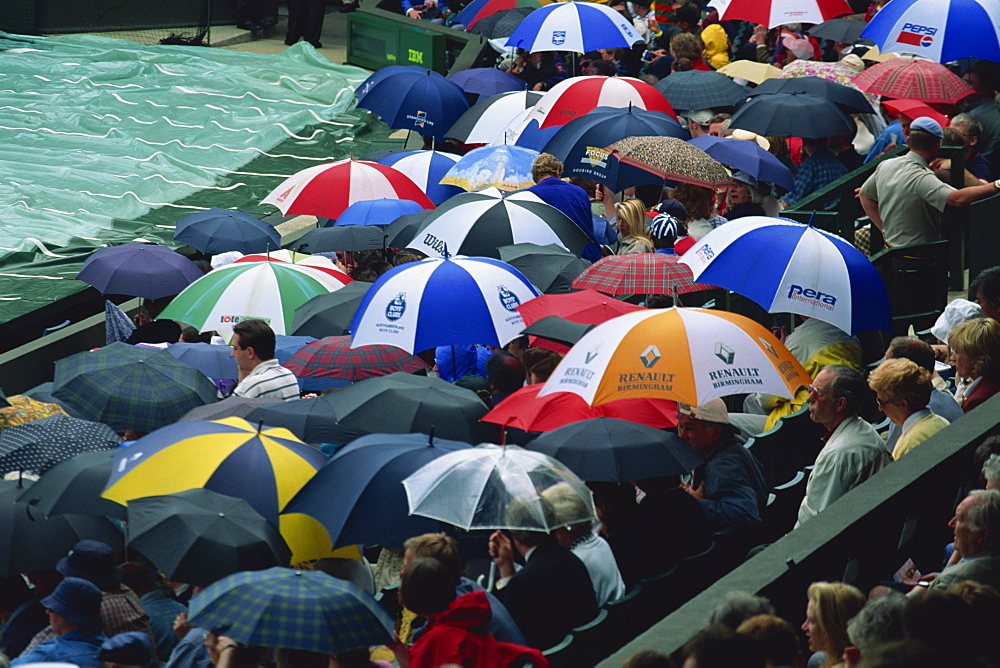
<point x="929" y="125"/>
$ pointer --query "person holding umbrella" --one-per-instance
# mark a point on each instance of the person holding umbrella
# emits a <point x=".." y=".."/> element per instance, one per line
<point x="74" y="611"/>
<point x="260" y="373"/>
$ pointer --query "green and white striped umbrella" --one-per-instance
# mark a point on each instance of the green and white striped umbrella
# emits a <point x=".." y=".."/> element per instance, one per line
<point x="269" y="291"/>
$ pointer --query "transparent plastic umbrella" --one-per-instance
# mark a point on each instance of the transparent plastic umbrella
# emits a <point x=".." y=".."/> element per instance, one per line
<point x="491" y="487"/>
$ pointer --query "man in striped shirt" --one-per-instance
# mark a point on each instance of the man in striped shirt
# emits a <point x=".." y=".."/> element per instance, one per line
<point x="260" y="373"/>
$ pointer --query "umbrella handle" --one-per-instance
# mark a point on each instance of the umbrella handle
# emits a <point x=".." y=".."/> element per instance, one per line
<point x="492" y="577"/>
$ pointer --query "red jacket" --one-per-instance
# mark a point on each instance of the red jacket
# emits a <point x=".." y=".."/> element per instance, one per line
<point x="458" y="636"/>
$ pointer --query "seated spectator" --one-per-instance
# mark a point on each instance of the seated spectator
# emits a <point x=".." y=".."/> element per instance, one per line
<point x="903" y="391"/>
<point x="688" y="45"/>
<point x="665" y="230"/>
<point x="579" y="536"/>
<point x="730" y="485"/>
<point x="540" y="371"/>
<point x="818" y="170"/>
<point x="444" y="548"/>
<point x="776" y="637"/>
<point x="909" y="654"/>
<point x="941" y="402"/>
<point x="878" y="623"/>
<point x="74" y="611"/>
<point x="976" y="527"/>
<point x="853" y="451"/>
<point x="991" y="472"/>
<point x="738" y="606"/>
<point x="745" y="198"/>
<point x="984" y="601"/>
<point x="260" y="374"/>
<point x="722" y="648"/>
<point x="457" y="625"/>
<point x="943" y="621"/>
<point x="831" y="606"/>
<point x="633" y="233"/>
<point x="540" y="71"/>
<point x="552" y="593"/>
<point x="702" y="217"/>
<point x="975" y="346"/>
<point x="161" y="608"/>
<point x="648" y="658"/>
<point x="505" y="374"/>
<point x="126" y="649"/>
<point x="986" y="291"/>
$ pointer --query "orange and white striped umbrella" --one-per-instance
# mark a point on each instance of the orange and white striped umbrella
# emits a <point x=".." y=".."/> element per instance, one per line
<point x="683" y="354"/>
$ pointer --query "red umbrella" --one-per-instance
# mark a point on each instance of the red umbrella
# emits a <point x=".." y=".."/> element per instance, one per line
<point x="913" y="79"/>
<point x="915" y="109"/>
<point x="326" y="190"/>
<point x="333" y="357"/>
<point x="639" y="274"/>
<point x="586" y="307"/>
<point x="526" y="410"/>
<point x="773" y="13"/>
<point x="575" y="97"/>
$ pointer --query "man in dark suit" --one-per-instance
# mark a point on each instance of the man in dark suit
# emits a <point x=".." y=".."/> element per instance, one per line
<point x="552" y="593"/>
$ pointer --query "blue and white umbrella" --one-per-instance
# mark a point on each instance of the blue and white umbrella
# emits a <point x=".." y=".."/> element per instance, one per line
<point x="788" y="267"/>
<point x="441" y="302"/>
<point x="574" y="26"/>
<point x="939" y="30"/>
<point x="377" y="211"/>
<point x="426" y="169"/>
<point x="426" y="103"/>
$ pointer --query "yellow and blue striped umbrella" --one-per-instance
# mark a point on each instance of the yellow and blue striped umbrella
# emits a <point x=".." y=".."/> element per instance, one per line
<point x="265" y="466"/>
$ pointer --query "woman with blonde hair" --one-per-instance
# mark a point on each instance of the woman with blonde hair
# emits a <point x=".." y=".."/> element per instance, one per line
<point x="831" y="605"/>
<point x="633" y="231"/>
<point x="975" y="346"/>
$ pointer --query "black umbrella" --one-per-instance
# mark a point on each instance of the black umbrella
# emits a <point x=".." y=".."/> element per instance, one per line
<point x="233" y="406"/>
<point x="557" y="329"/>
<point x="329" y="314"/>
<point x="75" y="486"/>
<point x="550" y="268"/>
<point x="366" y="479"/>
<point x="345" y="238"/>
<point x="792" y="115"/>
<point x="851" y="100"/>
<point x="199" y="536"/>
<point x="606" y="449"/>
<point x="312" y="420"/>
<point x="38" y="445"/>
<point x="401" y="231"/>
<point x="31" y="542"/>
<point x="502" y="23"/>
<point x="402" y="403"/>
<point x="847" y="31"/>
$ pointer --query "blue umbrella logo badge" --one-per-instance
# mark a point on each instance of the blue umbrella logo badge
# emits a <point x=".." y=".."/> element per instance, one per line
<point x="558" y="37"/>
<point x="395" y="309"/>
<point x="508" y="299"/>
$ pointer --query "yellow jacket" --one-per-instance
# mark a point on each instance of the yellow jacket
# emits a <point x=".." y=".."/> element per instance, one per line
<point x="716" y="43"/>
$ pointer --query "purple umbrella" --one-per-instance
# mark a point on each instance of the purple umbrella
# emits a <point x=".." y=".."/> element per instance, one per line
<point x="139" y="270"/>
<point x="487" y="81"/>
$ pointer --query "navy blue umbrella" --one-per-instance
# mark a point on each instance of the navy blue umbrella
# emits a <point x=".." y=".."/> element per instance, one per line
<point x="38" y="445"/>
<point x="849" y="99"/>
<point x="792" y="115"/>
<point x="377" y="77"/>
<point x="214" y="361"/>
<point x="487" y="81"/>
<point x="581" y="143"/>
<point x="139" y="270"/>
<point x="426" y="103"/>
<point x="365" y="478"/>
<point x="748" y="157"/>
<point x="220" y="231"/>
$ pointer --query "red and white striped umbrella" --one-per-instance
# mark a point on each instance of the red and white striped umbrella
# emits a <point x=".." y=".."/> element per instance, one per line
<point x="773" y="13"/>
<point x="326" y="190"/>
<point x="575" y="97"/>
<point x="325" y="265"/>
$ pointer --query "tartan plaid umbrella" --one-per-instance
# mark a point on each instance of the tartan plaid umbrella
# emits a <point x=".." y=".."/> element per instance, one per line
<point x="74" y="486"/>
<point x="693" y="90"/>
<point x="333" y="357"/>
<point x="281" y="607"/>
<point x="131" y="388"/>
<point x="330" y="314"/>
<point x="913" y="79"/>
<point x="38" y="445"/>
<point x="639" y="274"/>
<point x="230" y="456"/>
<point x="198" y="536"/>
<point x="672" y="159"/>
<point x="587" y="307"/>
